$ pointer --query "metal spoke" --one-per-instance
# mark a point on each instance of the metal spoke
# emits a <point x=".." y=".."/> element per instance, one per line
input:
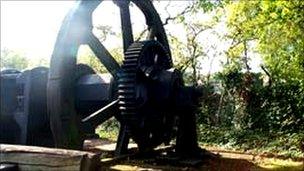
<point x="151" y="33"/>
<point x="103" y="55"/>
<point x="126" y="25"/>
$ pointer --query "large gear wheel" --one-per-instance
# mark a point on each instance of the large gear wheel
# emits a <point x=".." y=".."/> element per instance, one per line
<point x="76" y="30"/>
<point x="141" y="66"/>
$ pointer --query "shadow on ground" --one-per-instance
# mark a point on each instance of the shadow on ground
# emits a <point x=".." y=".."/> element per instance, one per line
<point x="224" y="162"/>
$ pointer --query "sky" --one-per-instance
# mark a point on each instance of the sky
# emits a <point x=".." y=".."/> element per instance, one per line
<point x="31" y="27"/>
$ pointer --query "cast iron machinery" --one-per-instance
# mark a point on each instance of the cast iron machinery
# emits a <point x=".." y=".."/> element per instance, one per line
<point x="145" y="93"/>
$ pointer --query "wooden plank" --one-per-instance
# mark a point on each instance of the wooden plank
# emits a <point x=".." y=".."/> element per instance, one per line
<point x="41" y="158"/>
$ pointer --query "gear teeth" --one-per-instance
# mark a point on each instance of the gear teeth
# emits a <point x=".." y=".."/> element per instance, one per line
<point x="126" y="86"/>
<point x="128" y="74"/>
<point x="129" y="69"/>
<point x="130" y="64"/>
<point x="127" y="91"/>
<point x="132" y="59"/>
<point x="126" y="96"/>
<point x="127" y="81"/>
<point x="128" y="103"/>
<point x="135" y="52"/>
<point x="133" y="56"/>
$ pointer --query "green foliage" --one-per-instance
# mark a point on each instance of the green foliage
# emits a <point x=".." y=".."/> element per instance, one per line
<point x="250" y="112"/>
<point x="86" y="56"/>
<point x="277" y="27"/>
<point x="284" y="107"/>
<point x="256" y="141"/>
<point x="242" y="109"/>
<point x="258" y="106"/>
<point x="253" y="116"/>
<point x="209" y="5"/>
<point x="189" y="50"/>
<point x="108" y="130"/>
<point x="12" y="59"/>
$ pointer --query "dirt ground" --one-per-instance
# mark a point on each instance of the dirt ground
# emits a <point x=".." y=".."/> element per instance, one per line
<point x="225" y="161"/>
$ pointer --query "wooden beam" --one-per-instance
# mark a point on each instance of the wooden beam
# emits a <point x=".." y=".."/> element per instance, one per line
<point x="41" y="158"/>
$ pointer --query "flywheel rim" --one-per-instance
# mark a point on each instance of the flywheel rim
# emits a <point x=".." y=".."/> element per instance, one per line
<point x="60" y="91"/>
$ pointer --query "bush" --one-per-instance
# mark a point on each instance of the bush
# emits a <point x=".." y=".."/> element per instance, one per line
<point x="247" y="113"/>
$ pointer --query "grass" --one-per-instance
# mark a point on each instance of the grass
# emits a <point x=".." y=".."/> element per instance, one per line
<point x="108" y="130"/>
<point x="271" y="151"/>
<point x="279" y="144"/>
<point x="273" y="144"/>
<point x="280" y="165"/>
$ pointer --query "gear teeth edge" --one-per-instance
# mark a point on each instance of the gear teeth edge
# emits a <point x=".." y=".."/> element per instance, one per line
<point x="127" y="80"/>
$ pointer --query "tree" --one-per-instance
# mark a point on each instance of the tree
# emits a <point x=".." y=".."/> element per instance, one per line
<point x="274" y="30"/>
<point x="189" y="54"/>
<point x="277" y="28"/>
<point x="190" y="49"/>
<point x="13" y="59"/>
